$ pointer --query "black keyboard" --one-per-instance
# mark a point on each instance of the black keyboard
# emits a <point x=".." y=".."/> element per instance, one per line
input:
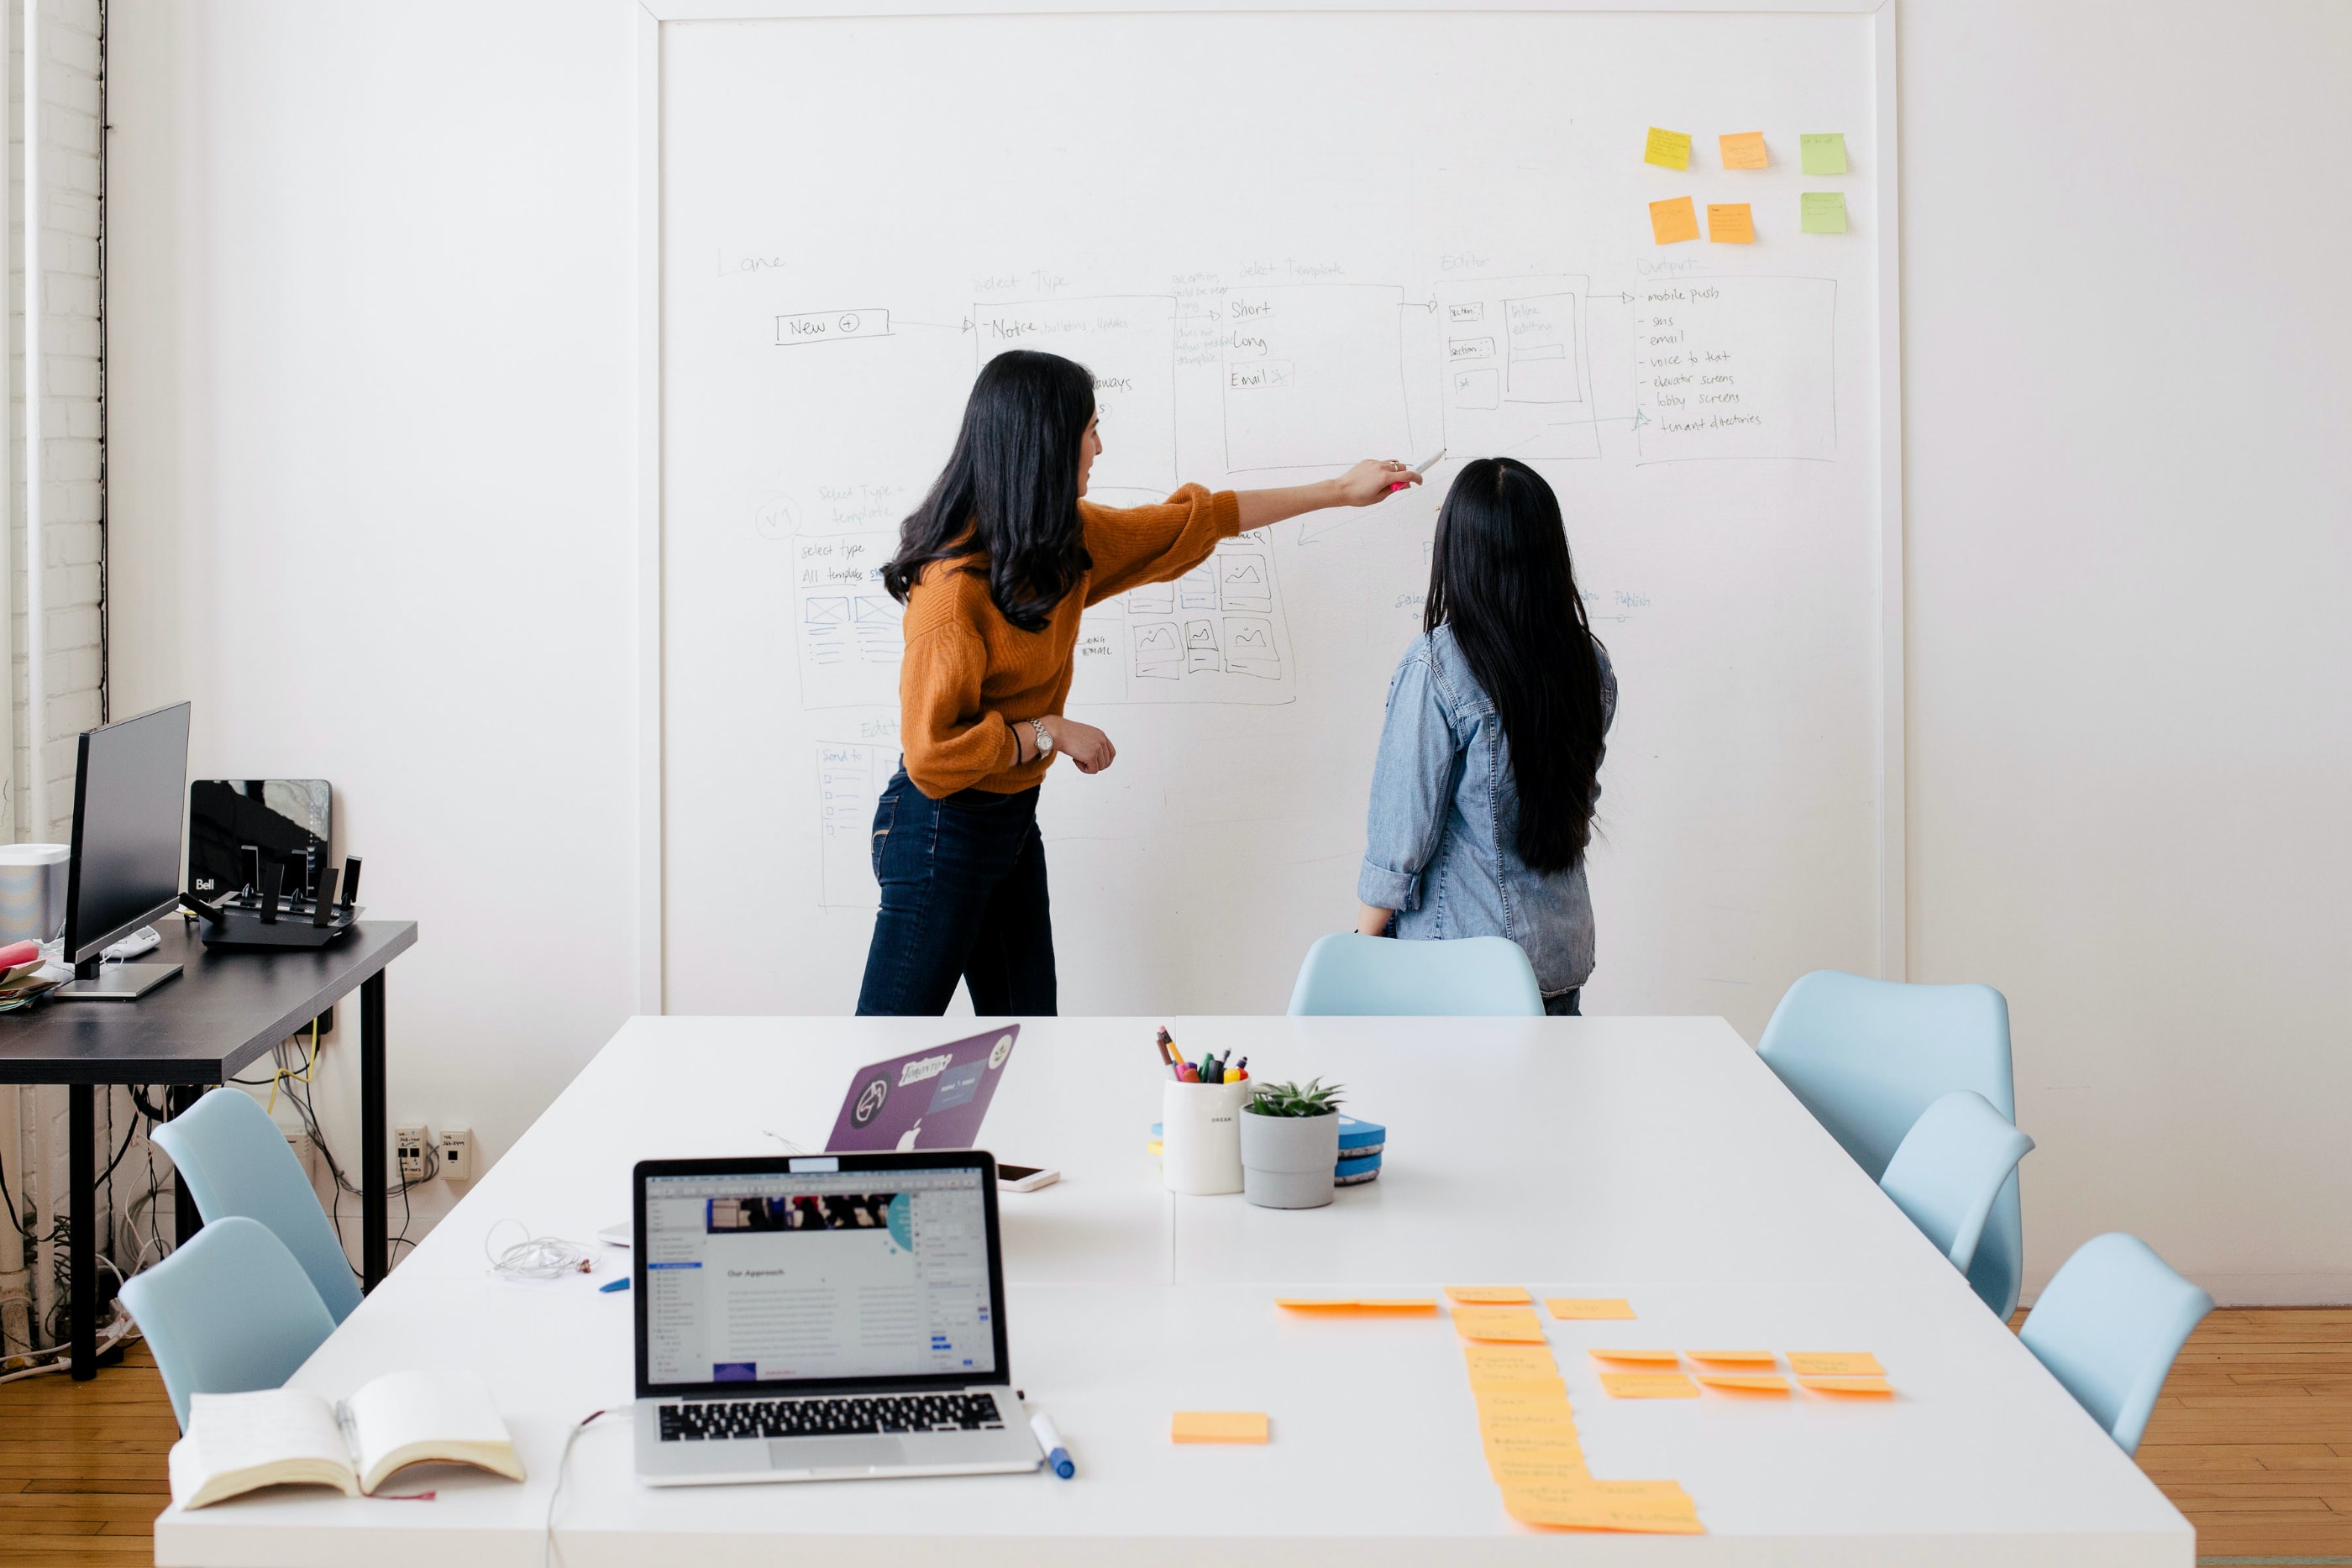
<point x="718" y="1420"/>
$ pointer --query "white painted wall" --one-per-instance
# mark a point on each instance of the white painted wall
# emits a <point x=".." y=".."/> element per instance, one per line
<point x="374" y="508"/>
<point x="371" y="355"/>
<point x="2126" y="397"/>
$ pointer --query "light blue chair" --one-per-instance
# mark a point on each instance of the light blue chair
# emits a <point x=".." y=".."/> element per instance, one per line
<point x="1950" y="1167"/>
<point x="1866" y="1057"/>
<point x="236" y="1161"/>
<point x="2108" y="1327"/>
<point x="1347" y="973"/>
<point x="229" y="1311"/>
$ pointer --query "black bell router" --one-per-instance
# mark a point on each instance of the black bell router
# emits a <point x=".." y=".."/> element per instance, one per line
<point x="296" y="923"/>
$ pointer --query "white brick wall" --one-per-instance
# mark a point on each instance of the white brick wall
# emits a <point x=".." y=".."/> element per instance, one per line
<point x="32" y="1121"/>
<point x="69" y="468"/>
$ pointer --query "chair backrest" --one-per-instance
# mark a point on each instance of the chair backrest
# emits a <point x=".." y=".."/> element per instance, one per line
<point x="227" y="1312"/>
<point x="1347" y="973"/>
<point x="1866" y="1057"/>
<point x="2108" y="1326"/>
<point x="236" y="1161"/>
<point x="1950" y="1167"/>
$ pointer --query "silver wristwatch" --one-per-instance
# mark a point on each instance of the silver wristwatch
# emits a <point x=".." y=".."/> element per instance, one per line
<point x="1045" y="741"/>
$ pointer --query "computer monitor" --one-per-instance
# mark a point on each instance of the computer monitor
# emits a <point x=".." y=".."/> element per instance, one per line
<point x="130" y="778"/>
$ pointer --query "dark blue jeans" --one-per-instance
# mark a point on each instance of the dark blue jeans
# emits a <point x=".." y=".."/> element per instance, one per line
<point x="963" y="895"/>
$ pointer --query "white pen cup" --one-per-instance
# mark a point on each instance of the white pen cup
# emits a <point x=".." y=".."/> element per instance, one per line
<point x="1200" y="1136"/>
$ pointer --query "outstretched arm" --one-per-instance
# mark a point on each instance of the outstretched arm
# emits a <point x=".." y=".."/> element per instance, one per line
<point x="1367" y="483"/>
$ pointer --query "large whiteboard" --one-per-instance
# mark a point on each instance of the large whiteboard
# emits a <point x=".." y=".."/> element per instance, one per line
<point x="1281" y="241"/>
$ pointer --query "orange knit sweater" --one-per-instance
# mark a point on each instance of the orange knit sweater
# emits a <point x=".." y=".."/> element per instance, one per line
<point x="968" y="669"/>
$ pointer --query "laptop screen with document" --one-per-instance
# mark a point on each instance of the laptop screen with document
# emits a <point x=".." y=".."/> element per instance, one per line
<point x="811" y="1274"/>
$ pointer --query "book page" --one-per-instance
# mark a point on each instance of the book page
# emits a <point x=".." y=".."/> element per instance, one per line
<point x="240" y="1441"/>
<point x="407" y="1416"/>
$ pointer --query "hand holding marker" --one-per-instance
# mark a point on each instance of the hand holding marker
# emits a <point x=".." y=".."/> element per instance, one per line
<point x="1209" y="1069"/>
<point x="1424" y="468"/>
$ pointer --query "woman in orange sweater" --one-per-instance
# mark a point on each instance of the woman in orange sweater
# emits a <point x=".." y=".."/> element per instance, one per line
<point x="995" y="568"/>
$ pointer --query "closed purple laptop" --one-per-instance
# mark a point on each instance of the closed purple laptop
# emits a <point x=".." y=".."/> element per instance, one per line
<point x="930" y="1099"/>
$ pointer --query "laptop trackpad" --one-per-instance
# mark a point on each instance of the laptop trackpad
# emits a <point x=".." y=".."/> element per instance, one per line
<point x="835" y="1453"/>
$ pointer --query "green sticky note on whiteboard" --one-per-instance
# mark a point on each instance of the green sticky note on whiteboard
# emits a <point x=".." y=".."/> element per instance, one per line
<point x="1824" y="153"/>
<point x="1822" y="212"/>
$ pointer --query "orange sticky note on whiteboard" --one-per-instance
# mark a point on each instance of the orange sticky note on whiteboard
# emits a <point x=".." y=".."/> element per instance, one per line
<point x="1743" y="150"/>
<point x="1516" y="1324"/>
<point x="1663" y="1357"/>
<point x="1731" y="223"/>
<point x="1491" y="1295"/>
<point x="1648" y="1385"/>
<point x="1835" y="1363"/>
<point x="1218" y="1427"/>
<point x="1673" y="221"/>
<point x="1589" y="1309"/>
<point x="1733" y="1357"/>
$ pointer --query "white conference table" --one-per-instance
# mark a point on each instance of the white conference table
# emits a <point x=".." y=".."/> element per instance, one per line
<point x="1654" y="1158"/>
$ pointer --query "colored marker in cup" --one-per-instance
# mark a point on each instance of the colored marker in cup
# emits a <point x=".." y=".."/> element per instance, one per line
<point x="1423" y="469"/>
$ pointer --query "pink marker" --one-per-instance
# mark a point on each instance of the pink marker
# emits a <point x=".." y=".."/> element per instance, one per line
<point x="1424" y="468"/>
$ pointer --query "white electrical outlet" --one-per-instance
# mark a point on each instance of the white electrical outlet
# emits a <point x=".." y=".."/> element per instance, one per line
<point x="409" y="1142"/>
<point x="456" y="1153"/>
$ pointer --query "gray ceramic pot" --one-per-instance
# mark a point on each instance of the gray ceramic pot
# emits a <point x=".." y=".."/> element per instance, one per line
<point x="1288" y="1161"/>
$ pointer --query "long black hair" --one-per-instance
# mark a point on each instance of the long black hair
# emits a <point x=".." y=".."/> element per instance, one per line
<point x="1007" y="502"/>
<point x="1500" y="576"/>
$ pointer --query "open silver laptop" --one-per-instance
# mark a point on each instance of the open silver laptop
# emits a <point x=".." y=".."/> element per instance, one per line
<point x="822" y="1317"/>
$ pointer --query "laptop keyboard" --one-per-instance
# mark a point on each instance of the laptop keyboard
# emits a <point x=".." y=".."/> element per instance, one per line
<point x="718" y="1420"/>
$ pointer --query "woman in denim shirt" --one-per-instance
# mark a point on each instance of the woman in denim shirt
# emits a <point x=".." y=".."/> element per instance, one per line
<point x="1484" y="790"/>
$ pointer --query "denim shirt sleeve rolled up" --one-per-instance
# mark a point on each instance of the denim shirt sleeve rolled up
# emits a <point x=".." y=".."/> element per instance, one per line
<point x="1442" y="834"/>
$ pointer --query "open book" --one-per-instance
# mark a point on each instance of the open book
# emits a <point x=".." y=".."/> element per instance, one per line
<point x="284" y="1436"/>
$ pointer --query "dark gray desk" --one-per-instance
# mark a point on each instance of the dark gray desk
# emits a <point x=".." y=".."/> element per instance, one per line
<point x="224" y="1011"/>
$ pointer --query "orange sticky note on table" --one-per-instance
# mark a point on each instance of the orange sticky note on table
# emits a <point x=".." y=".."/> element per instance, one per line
<point x="1731" y="223"/>
<point x="1745" y="1382"/>
<point x="1743" y="150"/>
<point x="1516" y="1324"/>
<point x="1508" y="1362"/>
<point x="1218" y="1427"/>
<point x="1835" y="1363"/>
<point x="1591" y="1505"/>
<point x="1733" y="1357"/>
<point x="1667" y="149"/>
<point x="1317" y="1306"/>
<point x="1673" y="221"/>
<point x="1663" y="1357"/>
<point x="1490" y="1295"/>
<point x="1648" y="1385"/>
<point x="1861" y="1387"/>
<point x="1589" y="1309"/>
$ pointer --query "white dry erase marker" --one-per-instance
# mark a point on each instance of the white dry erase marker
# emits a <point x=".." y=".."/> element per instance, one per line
<point x="1057" y="1458"/>
<point x="1423" y="469"/>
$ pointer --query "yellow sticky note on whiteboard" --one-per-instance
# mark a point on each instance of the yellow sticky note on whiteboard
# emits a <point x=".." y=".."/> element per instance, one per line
<point x="1673" y="221"/>
<point x="1835" y="1363"/>
<point x="1667" y="149"/>
<point x="1498" y="1323"/>
<point x="1743" y="150"/>
<point x="1731" y="223"/>
<point x="1218" y="1427"/>
<point x="1589" y="1309"/>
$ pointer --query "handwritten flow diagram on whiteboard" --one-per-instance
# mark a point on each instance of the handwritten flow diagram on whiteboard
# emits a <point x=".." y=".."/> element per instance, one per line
<point x="1279" y="242"/>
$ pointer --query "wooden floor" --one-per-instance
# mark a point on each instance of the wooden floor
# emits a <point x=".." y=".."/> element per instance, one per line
<point x="2253" y="1440"/>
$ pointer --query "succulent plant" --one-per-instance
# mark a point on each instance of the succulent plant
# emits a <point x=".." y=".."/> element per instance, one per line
<point x="1290" y="1100"/>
